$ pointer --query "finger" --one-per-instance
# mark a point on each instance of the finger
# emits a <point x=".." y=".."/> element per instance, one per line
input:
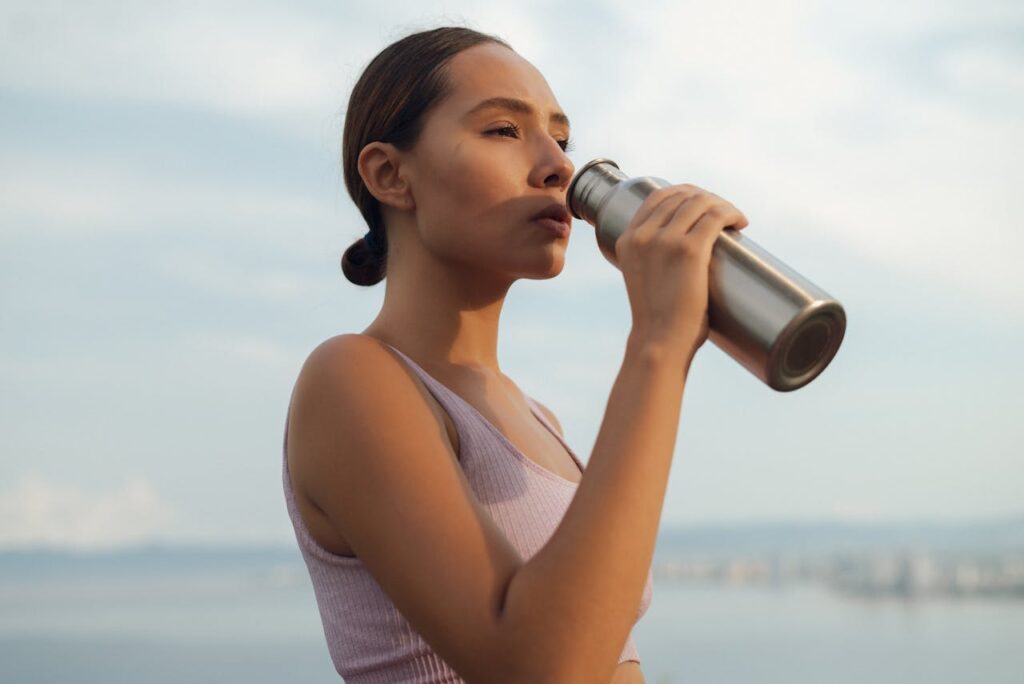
<point x="731" y="217"/>
<point x="689" y="211"/>
<point x="661" y="213"/>
<point x="656" y="199"/>
<point x="707" y="229"/>
<point x="739" y="222"/>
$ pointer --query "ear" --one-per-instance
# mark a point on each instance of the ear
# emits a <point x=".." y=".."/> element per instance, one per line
<point x="380" y="165"/>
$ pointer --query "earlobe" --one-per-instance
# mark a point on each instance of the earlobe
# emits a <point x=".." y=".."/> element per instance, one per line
<point x="380" y="168"/>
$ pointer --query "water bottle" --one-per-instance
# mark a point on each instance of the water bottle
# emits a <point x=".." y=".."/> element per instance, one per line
<point x="770" y="319"/>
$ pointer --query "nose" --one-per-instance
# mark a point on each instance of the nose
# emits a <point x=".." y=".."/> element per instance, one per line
<point x="554" y="169"/>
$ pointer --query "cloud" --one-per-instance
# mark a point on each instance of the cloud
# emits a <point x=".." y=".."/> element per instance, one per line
<point x="187" y="142"/>
<point x="757" y="103"/>
<point x="776" y="107"/>
<point x="986" y="68"/>
<point x="251" y="60"/>
<point x="86" y="197"/>
<point x="251" y="348"/>
<point x="40" y="512"/>
<point x="857" y="511"/>
<point x="221" y="277"/>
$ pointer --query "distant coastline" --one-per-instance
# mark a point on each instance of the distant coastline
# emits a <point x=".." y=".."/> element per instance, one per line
<point x="869" y="560"/>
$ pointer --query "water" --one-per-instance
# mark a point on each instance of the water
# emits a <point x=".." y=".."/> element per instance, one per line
<point x="805" y="633"/>
<point x="168" y="619"/>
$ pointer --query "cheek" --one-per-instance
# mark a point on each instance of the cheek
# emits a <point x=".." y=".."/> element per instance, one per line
<point x="466" y="200"/>
<point x="475" y="178"/>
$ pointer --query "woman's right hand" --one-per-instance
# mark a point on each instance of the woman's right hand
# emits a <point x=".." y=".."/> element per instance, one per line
<point x="664" y="255"/>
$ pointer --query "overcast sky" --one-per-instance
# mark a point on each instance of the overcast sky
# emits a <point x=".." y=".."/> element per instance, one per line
<point x="172" y="214"/>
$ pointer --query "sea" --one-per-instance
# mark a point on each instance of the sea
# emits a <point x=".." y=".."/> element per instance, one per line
<point x="168" y="615"/>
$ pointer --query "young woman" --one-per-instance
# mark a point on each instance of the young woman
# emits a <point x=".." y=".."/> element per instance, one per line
<point x="450" y="532"/>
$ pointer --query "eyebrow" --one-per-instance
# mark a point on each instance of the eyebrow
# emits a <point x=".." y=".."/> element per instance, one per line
<point x="514" y="105"/>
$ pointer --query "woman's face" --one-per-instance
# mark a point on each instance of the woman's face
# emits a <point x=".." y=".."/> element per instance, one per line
<point x="478" y="175"/>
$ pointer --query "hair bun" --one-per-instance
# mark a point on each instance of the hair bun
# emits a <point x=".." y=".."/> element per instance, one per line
<point x="361" y="264"/>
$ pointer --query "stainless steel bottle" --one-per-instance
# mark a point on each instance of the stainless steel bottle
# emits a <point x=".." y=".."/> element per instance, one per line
<point x="769" y="318"/>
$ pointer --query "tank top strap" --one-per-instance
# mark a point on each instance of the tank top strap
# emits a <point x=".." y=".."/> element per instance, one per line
<point x="539" y="413"/>
<point x="462" y="414"/>
<point x="433" y="385"/>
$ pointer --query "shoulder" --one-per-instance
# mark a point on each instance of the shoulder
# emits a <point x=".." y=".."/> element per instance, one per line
<point x="352" y="375"/>
<point x="351" y="383"/>
<point x="342" y="348"/>
<point x="350" y="361"/>
<point x="373" y="457"/>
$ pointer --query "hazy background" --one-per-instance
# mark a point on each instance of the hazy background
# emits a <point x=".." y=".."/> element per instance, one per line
<point x="172" y="216"/>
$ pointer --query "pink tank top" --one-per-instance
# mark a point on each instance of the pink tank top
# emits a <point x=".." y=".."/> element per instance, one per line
<point x="369" y="640"/>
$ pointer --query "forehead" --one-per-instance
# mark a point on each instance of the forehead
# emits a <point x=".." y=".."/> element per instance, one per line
<point x="491" y="70"/>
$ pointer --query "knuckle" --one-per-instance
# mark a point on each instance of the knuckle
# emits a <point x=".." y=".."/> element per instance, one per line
<point x="707" y="199"/>
<point x="639" y="240"/>
<point x="704" y="200"/>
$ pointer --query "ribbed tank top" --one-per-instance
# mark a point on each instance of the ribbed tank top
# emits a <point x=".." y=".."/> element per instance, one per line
<point x="369" y="640"/>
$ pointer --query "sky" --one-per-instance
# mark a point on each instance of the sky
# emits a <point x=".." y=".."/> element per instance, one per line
<point x="172" y="214"/>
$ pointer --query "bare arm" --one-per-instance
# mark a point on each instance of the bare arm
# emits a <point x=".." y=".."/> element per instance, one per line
<point x="576" y="599"/>
<point x="573" y="604"/>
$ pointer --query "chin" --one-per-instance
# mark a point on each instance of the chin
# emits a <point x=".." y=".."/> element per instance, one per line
<point x="545" y="271"/>
<point x="535" y="264"/>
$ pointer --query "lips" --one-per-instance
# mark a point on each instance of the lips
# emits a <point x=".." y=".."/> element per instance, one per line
<point x="556" y="211"/>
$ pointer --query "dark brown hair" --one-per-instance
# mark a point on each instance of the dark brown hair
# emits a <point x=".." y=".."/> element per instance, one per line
<point x="389" y="103"/>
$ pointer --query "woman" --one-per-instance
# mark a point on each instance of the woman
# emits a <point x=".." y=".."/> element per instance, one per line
<point x="448" y="528"/>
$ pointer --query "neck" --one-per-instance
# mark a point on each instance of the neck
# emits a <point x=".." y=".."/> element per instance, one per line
<point x="439" y="312"/>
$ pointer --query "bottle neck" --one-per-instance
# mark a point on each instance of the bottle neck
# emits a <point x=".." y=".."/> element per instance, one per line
<point x="591" y="188"/>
